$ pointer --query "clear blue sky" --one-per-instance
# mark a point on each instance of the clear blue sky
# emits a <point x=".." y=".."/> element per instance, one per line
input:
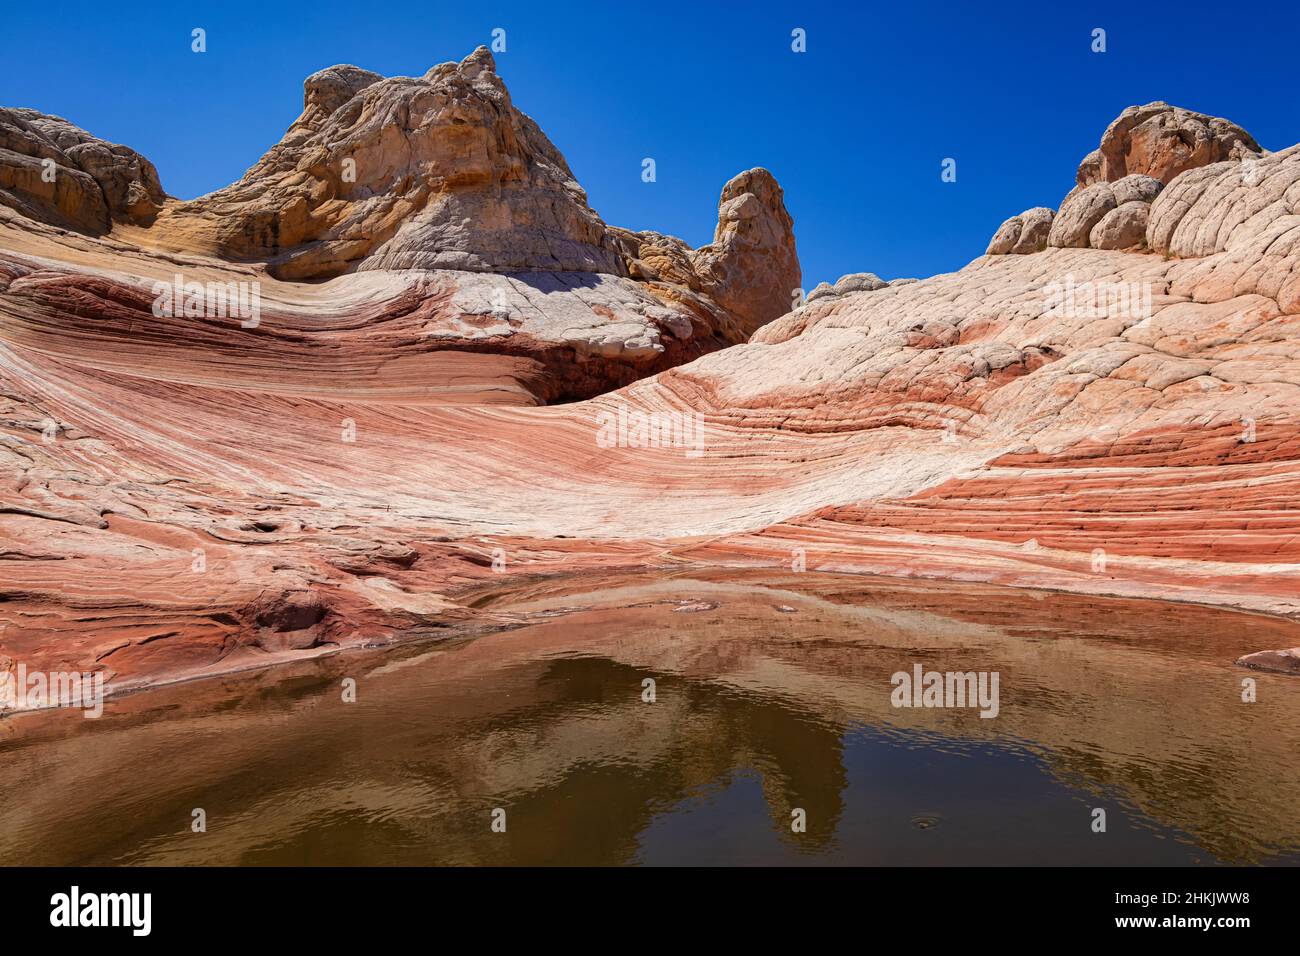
<point x="855" y="129"/>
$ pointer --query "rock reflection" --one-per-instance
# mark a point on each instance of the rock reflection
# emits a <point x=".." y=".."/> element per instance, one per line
<point x="770" y="695"/>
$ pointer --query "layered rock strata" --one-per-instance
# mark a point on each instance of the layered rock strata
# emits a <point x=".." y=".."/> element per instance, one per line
<point x="484" y="248"/>
<point x="184" y="496"/>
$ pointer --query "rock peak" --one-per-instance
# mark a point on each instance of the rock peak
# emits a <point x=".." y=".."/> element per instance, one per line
<point x="481" y="60"/>
<point x="433" y="172"/>
<point x="1161" y="141"/>
<point x="328" y="89"/>
<point x="1142" y="151"/>
<point x="436" y="172"/>
<point x="97" y="183"/>
<point x="752" y="262"/>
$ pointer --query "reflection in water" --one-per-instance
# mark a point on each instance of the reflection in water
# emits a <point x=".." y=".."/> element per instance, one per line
<point x="774" y="700"/>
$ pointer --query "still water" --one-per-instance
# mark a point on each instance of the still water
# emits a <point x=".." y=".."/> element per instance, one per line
<point x="771" y="702"/>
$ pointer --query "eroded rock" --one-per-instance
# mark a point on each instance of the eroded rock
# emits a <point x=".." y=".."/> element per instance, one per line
<point x="1079" y="213"/>
<point x="1023" y="234"/>
<point x="1124" y="227"/>
<point x="1161" y="141"/>
<point x="433" y="172"/>
<point x="442" y="176"/>
<point x="853" y="282"/>
<point x="56" y="172"/>
<point x="182" y="494"/>
<point x="751" y="268"/>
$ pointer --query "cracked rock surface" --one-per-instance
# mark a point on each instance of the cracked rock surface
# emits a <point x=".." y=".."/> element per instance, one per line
<point x="183" y="495"/>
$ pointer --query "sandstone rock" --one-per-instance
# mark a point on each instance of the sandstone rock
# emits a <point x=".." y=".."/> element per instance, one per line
<point x="1006" y="237"/>
<point x="323" y="93"/>
<point x="749" y="272"/>
<point x="1123" y="227"/>
<point x="1161" y="141"/>
<point x="441" y="174"/>
<point x="1090" y="169"/>
<point x="1079" y="213"/>
<point x="822" y="290"/>
<point x="854" y="282"/>
<point x="859" y="282"/>
<point x="751" y="269"/>
<point x="1250" y="207"/>
<point x="54" y="171"/>
<point x="653" y="257"/>
<point x="432" y="172"/>
<point x="436" y="172"/>
<point x="1136" y="188"/>
<point x="444" y="172"/>
<point x="1023" y="234"/>
<point x="1282" y="661"/>
<point x="349" y="468"/>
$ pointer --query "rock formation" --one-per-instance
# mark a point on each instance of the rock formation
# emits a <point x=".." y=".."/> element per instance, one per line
<point x="54" y="172"/>
<point x="481" y="239"/>
<point x="751" y="268"/>
<point x="854" y="282"/>
<point x="1023" y="234"/>
<point x="1144" y="149"/>
<point x="1161" y="141"/>
<point x="1095" y="211"/>
<point x="186" y="494"/>
<point x="435" y="172"/>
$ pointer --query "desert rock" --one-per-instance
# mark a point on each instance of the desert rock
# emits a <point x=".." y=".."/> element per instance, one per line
<point x="1079" y="213"/>
<point x="1161" y="141"/>
<point x="55" y="171"/>
<point x="751" y="268"/>
<point x="433" y="172"/>
<point x="1247" y="206"/>
<point x="477" y="235"/>
<point x="1136" y="188"/>
<point x="183" y="494"/>
<point x="854" y="282"/>
<point x="1123" y="227"/>
<point x="1023" y="234"/>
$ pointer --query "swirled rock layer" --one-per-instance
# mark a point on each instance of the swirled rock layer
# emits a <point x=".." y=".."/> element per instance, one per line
<point x="184" y="494"/>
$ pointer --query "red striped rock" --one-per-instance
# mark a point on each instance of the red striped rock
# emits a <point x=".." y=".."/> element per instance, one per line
<point x="501" y="281"/>
<point x="185" y="495"/>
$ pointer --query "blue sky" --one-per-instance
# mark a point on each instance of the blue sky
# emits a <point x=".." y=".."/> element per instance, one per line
<point x="855" y="129"/>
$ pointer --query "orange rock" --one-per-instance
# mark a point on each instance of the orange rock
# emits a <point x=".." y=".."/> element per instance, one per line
<point x="190" y="493"/>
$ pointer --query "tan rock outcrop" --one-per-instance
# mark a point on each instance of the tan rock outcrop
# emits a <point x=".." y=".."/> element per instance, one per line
<point x="854" y="282"/>
<point x="1124" y="227"/>
<point x="747" y="276"/>
<point x="56" y="172"/>
<point x="1079" y="213"/>
<point x="1249" y="207"/>
<point x="1161" y="141"/>
<point x="433" y="172"/>
<point x="1145" y="148"/>
<point x="1023" y="234"/>
<point x="751" y="268"/>
<point x="1091" y="216"/>
<point x="1136" y="188"/>
<point x="184" y="494"/>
